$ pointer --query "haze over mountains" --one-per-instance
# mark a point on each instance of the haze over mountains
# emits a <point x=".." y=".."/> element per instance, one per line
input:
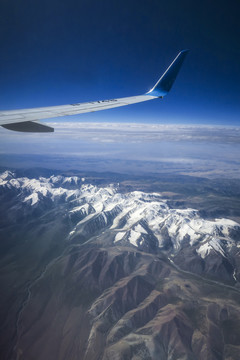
<point x="99" y="269"/>
<point x="128" y="148"/>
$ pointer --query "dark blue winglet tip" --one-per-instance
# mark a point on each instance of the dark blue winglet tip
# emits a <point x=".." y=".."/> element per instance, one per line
<point x="164" y="84"/>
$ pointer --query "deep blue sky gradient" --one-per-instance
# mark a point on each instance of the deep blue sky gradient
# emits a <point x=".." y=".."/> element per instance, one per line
<point x="64" y="51"/>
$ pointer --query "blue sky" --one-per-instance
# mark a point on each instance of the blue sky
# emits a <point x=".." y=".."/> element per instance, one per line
<point x="59" y="52"/>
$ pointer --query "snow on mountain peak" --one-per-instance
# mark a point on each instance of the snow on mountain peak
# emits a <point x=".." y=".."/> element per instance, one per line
<point x="33" y="198"/>
<point x="134" y="217"/>
<point x="6" y="176"/>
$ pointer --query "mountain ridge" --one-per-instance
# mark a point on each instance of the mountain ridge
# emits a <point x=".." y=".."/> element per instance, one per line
<point x="104" y="273"/>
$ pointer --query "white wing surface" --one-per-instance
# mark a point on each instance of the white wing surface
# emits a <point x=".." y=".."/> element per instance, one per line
<point x="26" y="120"/>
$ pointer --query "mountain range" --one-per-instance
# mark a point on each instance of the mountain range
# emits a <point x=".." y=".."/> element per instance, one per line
<point x="94" y="271"/>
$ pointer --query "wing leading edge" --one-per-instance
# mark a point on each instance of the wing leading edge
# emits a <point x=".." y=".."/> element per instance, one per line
<point x="26" y="120"/>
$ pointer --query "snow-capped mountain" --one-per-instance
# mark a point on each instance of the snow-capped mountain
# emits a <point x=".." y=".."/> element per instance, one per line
<point x="106" y="271"/>
<point x="139" y="219"/>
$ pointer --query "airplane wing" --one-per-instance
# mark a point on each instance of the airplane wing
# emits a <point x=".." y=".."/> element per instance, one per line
<point x="26" y="120"/>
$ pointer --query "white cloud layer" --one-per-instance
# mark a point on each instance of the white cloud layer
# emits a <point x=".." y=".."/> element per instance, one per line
<point x="186" y="149"/>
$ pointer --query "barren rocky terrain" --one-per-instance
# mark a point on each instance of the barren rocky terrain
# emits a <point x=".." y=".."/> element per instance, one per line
<point x="98" y="269"/>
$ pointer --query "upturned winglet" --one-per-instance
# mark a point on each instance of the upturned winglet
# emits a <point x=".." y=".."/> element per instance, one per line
<point x="166" y="81"/>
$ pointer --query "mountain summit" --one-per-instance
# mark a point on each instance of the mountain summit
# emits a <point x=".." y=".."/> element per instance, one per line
<point x="98" y="272"/>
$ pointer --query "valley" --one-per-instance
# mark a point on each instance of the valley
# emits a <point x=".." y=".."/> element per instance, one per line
<point x="92" y="268"/>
